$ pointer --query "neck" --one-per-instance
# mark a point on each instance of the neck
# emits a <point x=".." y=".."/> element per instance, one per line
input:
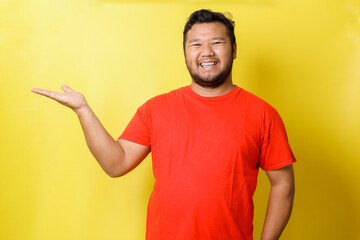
<point x="213" y="92"/>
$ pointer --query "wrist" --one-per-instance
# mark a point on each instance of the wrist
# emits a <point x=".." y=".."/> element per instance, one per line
<point x="83" y="110"/>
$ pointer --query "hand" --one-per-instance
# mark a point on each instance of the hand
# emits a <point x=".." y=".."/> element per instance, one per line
<point x="72" y="99"/>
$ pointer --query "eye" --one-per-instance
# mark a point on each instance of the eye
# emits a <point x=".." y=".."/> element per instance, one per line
<point x="196" y="45"/>
<point x="215" y="43"/>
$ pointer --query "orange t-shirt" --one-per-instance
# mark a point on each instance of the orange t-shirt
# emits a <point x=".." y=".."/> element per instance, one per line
<point x="206" y="153"/>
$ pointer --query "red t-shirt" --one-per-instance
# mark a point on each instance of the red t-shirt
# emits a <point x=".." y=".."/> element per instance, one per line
<point x="206" y="153"/>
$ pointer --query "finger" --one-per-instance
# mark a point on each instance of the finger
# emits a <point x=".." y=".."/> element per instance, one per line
<point x="66" y="88"/>
<point x="40" y="91"/>
<point x="54" y="95"/>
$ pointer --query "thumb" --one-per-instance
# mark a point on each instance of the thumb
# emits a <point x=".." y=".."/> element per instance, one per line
<point x="66" y="89"/>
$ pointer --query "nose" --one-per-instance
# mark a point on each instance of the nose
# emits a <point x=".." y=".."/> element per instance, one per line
<point x="207" y="51"/>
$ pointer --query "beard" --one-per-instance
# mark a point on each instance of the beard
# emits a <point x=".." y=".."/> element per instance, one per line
<point x="211" y="81"/>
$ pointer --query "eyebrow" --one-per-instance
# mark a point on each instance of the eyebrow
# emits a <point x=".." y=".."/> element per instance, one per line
<point x="198" y="39"/>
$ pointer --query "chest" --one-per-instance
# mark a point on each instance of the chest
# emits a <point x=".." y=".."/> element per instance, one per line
<point x="210" y="137"/>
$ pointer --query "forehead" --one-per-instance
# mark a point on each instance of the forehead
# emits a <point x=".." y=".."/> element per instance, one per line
<point x="206" y="31"/>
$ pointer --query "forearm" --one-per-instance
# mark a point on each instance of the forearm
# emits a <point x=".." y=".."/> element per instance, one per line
<point x="108" y="152"/>
<point x="278" y="211"/>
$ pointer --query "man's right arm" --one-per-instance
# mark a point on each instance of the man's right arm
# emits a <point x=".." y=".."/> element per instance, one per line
<point x="115" y="157"/>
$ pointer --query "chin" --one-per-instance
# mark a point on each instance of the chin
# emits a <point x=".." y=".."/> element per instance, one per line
<point x="209" y="83"/>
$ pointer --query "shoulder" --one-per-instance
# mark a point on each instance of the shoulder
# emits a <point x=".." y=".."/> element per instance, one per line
<point x="164" y="102"/>
<point x="256" y="104"/>
<point x="171" y="97"/>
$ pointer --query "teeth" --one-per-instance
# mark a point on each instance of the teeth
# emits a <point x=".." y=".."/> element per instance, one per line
<point x="208" y="64"/>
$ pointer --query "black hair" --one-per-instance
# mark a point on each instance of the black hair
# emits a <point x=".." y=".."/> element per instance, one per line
<point x="208" y="16"/>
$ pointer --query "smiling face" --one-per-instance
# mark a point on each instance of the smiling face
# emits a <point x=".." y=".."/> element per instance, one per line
<point x="209" y="54"/>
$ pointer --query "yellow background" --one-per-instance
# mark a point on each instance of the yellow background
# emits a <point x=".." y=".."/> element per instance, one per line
<point x="301" y="56"/>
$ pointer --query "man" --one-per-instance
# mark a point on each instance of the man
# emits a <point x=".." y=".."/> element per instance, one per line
<point x="207" y="141"/>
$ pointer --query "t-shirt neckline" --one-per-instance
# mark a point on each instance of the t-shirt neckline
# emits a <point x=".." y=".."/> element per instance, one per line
<point x="227" y="95"/>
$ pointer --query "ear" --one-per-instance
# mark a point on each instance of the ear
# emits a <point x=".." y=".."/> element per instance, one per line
<point x="235" y="50"/>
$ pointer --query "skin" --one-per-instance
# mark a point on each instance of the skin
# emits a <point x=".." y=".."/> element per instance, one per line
<point x="205" y="42"/>
<point x="115" y="157"/>
<point x="280" y="202"/>
<point x="208" y="42"/>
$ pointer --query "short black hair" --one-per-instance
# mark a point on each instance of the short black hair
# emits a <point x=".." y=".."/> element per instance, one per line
<point x="208" y="16"/>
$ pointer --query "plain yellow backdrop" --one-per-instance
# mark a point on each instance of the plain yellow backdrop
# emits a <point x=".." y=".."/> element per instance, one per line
<point x="303" y="57"/>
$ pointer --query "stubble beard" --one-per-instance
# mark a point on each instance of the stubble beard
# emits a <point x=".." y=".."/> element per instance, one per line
<point x="211" y="81"/>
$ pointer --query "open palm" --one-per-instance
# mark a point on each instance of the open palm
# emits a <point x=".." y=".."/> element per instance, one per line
<point x="69" y="98"/>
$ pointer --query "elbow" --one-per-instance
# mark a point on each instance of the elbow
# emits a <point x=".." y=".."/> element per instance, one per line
<point x="290" y="193"/>
<point x="289" y="190"/>
<point x="115" y="173"/>
<point x="293" y="191"/>
<point x="115" y="169"/>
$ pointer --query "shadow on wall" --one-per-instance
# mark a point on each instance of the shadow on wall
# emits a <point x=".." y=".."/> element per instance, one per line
<point x="325" y="204"/>
<point x="326" y="199"/>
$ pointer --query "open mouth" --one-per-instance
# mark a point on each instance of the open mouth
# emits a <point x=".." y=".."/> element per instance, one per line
<point x="208" y="64"/>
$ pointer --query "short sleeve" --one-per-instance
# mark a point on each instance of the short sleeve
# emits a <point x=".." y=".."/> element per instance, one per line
<point x="275" y="151"/>
<point x="138" y="129"/>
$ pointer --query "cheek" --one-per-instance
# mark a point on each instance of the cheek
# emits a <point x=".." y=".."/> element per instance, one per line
<point x="191" y="60"/>
<point x="189" y="64"/>
<point x="191" y="55"/>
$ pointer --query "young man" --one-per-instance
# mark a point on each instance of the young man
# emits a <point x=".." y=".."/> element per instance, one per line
<point x="207" y="141"/>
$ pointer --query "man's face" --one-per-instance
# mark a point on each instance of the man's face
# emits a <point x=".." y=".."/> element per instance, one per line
<point x="208" y="54"/>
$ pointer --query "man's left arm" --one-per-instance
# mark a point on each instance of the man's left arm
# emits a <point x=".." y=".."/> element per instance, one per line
<point x="280" y="202"/>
